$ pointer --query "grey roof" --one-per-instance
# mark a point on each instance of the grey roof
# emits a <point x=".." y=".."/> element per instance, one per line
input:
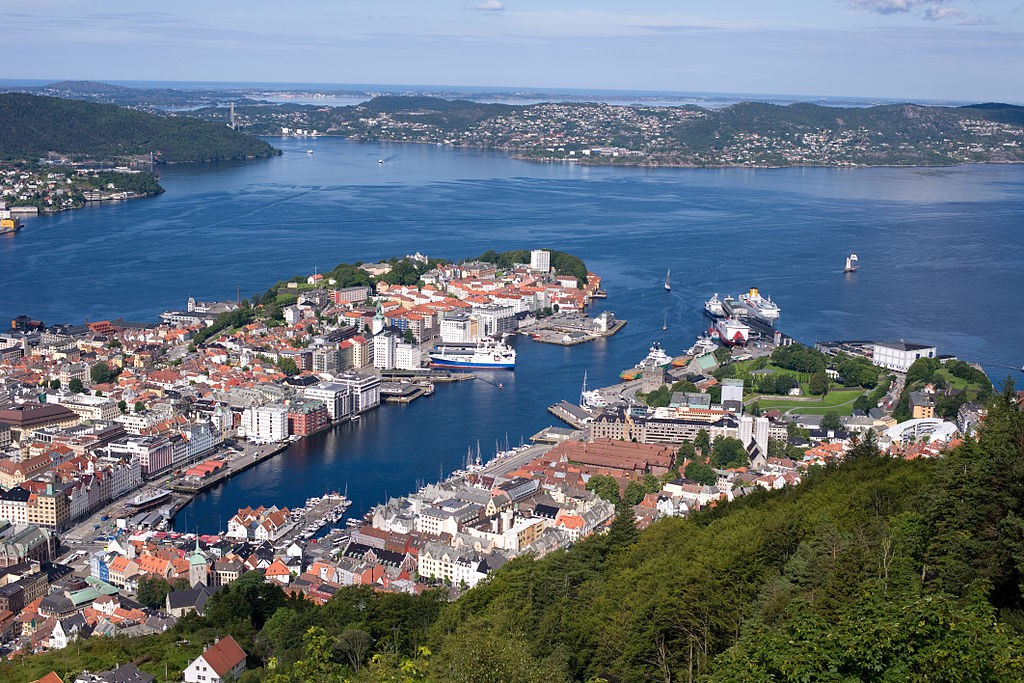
<point x="123" y="673"/>
<point x="193" y="597"/>
<point x="56" y="604"/>
<point x="903" y="345"/>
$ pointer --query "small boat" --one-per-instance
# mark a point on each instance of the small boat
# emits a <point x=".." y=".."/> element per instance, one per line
<point x="500" y="385"/>
<point x="309" y="151"/>
<point x="664" y="325"/>
<point x="851" y="263"/>
<point x="668" y="284"/>
<point x="380" y="161"/>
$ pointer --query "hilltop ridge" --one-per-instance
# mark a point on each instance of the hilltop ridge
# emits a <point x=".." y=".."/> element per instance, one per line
<point x="36" y="125"/>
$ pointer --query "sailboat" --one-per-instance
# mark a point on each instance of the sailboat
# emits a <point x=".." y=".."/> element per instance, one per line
<point x="668" y="285"/>
<point x="851" y="263"/>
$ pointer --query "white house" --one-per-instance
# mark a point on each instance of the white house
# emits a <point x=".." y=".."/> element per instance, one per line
<point x="222" y="660"/>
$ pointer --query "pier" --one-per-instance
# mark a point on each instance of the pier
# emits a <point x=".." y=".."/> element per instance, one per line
<point x="570" y="329"/>
<point x="570" y="414"/>
<point x="194" y="485"/>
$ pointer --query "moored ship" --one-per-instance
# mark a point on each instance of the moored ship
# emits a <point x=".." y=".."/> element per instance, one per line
<point x="488" y="355"/>
<point x="148" y="500"/>
<point x="713" y="308"/>
<point x="8" y="224"/>
<point x="762" y="308"/>
<point x="731" y="332"/>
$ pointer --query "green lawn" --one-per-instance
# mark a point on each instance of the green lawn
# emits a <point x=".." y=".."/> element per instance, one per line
<point x="829" y="403"/>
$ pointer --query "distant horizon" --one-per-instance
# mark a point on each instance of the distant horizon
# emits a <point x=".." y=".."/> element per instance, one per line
<point x="513" y="91"/>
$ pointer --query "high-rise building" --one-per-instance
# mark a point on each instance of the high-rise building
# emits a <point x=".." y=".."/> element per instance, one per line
<point x="540" y="259"/>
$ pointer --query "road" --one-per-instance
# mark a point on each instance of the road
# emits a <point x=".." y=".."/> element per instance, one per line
<point x="501" y="467"/>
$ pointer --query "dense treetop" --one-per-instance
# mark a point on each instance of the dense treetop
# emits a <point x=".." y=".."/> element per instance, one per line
<point x="34" y="126"/>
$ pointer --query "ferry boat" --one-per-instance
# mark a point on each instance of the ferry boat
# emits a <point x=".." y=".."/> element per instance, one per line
<point x="852" y="263"/>
<point x="731" y="332"/>
<point x="486" y="355"/>
<point x="713" y="307"/>
<point x="764" y="309"/>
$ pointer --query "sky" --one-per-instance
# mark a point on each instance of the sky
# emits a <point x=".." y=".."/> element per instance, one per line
<point x="957" y="50"/>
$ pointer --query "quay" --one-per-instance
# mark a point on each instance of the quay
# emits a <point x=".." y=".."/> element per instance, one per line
<point x="570" y="329"/>
<point x="570" y="414"/>
<point x="432" y="375"/>
<point x="195" y="485"/>
<point x="404" y="392"/>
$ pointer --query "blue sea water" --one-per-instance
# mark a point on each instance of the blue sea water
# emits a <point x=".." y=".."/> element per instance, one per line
<point x="941" y="254"/>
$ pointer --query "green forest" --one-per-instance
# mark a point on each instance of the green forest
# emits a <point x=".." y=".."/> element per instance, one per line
<point x="562" y="263"/>
<point x="874" y="570"/>
<point x="35" y="125"/>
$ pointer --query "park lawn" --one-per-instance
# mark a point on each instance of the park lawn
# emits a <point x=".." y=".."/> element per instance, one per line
<point x="959" y="383"/>
<point x="830" y="401"/>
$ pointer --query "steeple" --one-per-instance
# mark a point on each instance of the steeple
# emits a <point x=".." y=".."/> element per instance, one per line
<point x="378" y="319"/>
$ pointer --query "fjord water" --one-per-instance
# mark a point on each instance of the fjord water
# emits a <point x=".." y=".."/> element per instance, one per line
<point x="941" y="255"/>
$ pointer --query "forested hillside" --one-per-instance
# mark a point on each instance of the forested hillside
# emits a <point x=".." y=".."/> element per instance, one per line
<point x="877" y="570"/>
<point x="34" y="126"/>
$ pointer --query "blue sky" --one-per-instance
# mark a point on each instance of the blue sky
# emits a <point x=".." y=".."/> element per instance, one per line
<point x="906" y="49"/>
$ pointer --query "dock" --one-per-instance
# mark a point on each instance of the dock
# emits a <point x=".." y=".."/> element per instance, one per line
<point x="570" y="414"/>
<point x="404" y="392"/>
<point x="193" y="486"/>
<point x="570" y="329"/>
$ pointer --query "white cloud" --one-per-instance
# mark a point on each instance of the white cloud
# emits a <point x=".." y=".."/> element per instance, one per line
<point x="491" y="6"/>
<point x="932" y="10"/>
<point x="938" y="13"/>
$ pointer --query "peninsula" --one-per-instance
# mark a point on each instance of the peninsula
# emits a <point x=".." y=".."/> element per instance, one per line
<point x="58" y="154"/>
<point x="751" y="134"/>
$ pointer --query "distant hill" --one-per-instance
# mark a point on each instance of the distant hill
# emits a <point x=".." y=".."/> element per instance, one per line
<point x="35" y="125"/>
<point x="743" y="134"/>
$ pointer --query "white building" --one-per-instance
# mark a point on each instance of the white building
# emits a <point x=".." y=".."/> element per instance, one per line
<point x="754" y="429"/>
<point x="337" y="397"/>
<point x="540" y="259"/>
<point x="154" y="453"/>
<point x="384" y="347"/>
<point x="899" y="355"/>
<point x="365" y="390"/>
<point x="732" y="393"/>
<point x="494" y="320"/>
<point x="408" y="356"/>
<point x="458" y="328"/>
<point x="266" y="423"/>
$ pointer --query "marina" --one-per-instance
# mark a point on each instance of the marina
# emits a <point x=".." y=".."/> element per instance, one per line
<point x="317" y="513"/>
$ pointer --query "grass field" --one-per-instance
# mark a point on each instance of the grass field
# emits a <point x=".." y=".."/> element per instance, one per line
<point x="840" y="401"/>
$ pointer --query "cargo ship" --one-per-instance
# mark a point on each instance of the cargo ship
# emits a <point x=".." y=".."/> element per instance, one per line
<point x="731" y="332"/>
<point x="485" y="355"/>
<point x="764" y="309"/>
